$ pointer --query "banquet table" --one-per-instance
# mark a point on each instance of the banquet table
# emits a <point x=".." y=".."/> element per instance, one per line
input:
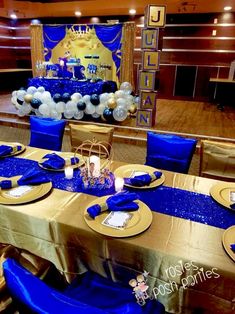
<point x="177" y="253"/>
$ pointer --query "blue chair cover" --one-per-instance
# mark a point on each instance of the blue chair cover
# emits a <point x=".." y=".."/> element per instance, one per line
<point x="46" y="133"/>
<point x="169" y="152"/>
<point x="90" y="293"/>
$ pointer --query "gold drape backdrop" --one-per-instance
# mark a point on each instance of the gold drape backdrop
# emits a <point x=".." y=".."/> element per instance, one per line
<point x="127" y="62"/>
<point x="37" y="48"/>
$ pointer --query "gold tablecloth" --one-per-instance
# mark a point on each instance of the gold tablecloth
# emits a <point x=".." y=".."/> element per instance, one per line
<point x="54" y="228"/>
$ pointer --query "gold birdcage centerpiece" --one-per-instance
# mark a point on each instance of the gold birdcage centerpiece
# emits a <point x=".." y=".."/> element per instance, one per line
<point x="97" y="157"/>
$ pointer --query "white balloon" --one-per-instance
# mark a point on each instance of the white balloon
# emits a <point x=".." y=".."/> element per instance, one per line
<point x="86" y="98"/>
<point x="104" y="97"/>
<point x="38" y="113"/>
<point x="100" y="109"/>
<point x="20" y="113"/>
<point x="120" y="114"/>
<point x="14" y="101"/>
<point x="119" y="94"/>
<point x="46" y="97"/>
<point x="68" y="114"/>
<point x="52" y="105"/>
<point x="95" y="115"/>
<point x="14" y="93"/>
<point x="31" y="90"/>
<point x="126" y="87"/>
<point x="90" y="109"/>
<point x="79" y="115"/>
<point x="37" y="95"/>
<point x="44" y="109"/>
<point x="121" y="102"/>
<point x="26" y="108"/>
<point x="55" y="115"/>
<point x="76" y="97"/>
<point x="41" y="89"/>
<point x="71" y="105"/>
<point x="60" y="106"/>
<point x="21" y="93"/>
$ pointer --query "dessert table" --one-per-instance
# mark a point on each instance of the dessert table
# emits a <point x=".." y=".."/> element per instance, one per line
<point x="66" y="85"/>
<point x="187" y="264"/>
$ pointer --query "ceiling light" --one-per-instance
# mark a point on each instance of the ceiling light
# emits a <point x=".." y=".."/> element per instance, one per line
<point x="227" y="8"/>
<point x="132" y="11"/>
<point x="13" y="16"/>
<point x="78" y="13"/>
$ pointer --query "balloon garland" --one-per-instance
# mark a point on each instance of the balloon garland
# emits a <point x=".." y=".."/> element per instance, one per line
<point x="109" y="107"/>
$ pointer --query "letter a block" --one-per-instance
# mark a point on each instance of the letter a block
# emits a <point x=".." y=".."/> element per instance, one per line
<point x="155" y="16"/>
<point x="148" y="100"/>
<point x="145" y="118"/>
<point x="149" y="38"/>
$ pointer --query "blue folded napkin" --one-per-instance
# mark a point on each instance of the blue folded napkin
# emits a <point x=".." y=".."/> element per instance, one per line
<point x="123" y="201"/>
<point x="143" y="180"/>
<point x="55" y="162"/>
<point x="31" y="177"/>
<point x="7" y="150"/>
<point x="232" y="206"/>
<point x="232" y="246"/>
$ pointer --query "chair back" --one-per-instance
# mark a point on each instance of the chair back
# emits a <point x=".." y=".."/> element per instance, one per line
<point x="217" y="160"/>
<point x="88" y="132"/>
<point x="46" y="133"/>
<point x="169" y="152"/>
<point x="89" y="293"/>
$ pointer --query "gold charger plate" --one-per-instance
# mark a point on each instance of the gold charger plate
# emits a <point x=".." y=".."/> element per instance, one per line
<point x="37" y="192"/>
<point x="228" y="239"/>
<point x="126" y="171"/>
<point x="64" y="155"/>
<point x="138" y="223"/>
<point x="14" y="153"/>
<point x="221" y="193"/>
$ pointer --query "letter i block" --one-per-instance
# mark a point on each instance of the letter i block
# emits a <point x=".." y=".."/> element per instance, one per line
<point x="149" y="38"/>
<point x="150" y="60"/>
<point x="145" y="118"/>
<point x="147" y="80"/>
<point x="148" y="100"/>
<point x="155" y="16"/>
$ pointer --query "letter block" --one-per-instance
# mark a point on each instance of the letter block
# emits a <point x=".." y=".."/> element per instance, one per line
<point x="145" y="118"/>
<point x="147" y="80"/>
<point x="148" y="100"/>
<point x="155" y="16"/>
<point x="150" y="60"/>
<point x="149" y="38"/>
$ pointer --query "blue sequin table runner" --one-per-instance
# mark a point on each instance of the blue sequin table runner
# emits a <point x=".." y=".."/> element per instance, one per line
<point x="166" y="200"/>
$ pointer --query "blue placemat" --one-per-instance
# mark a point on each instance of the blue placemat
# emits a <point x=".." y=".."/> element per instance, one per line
<point x="188" y="205"/>
<point x="14" y="166"/>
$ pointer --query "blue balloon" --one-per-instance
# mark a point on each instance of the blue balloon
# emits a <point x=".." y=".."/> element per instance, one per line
<point x="66" y="97"/>
<point x="95" y="100"/>
<point x="108" y="114"/>
<point x="57" y="97"/>
<point x="35" y="103"/>
<point x="81" y="105"/>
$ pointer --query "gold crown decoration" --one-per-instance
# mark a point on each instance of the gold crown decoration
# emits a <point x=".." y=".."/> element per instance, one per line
<point x="82" y="31"/>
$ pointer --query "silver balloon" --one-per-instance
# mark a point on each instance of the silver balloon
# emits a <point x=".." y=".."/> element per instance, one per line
<point x="126" y="87"/>
<point x="55" y="115"/>
<point x="14" y="93"/>
<point x="76" y="97"/>
<point x="20" y="112"/>
<point x="120" y="114"/>
<point x="26" y="108"/>
<point x="95" y="115"/>
<point x="79" y="115"/>
<point x="71" y="105"/>
<point x="86" y="98"/>
<point x="44" y="109"/>
<point x="37" y="95"/>
<point x="46" y="97"/>
<point x="104" y="97"/>
<point x="119" y="94"/>
<point x="121" y="102"/>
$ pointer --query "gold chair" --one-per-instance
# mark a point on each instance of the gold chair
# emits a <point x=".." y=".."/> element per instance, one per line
<point x="217" y="160"/>
<point x="80" y="133"/>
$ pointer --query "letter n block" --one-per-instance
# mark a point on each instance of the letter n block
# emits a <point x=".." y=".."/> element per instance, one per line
<point x="145" y="118"/>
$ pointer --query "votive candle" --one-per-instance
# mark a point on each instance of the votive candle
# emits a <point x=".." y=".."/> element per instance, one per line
<point x="68" y="171"/>
<point x="119" y="183"/>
